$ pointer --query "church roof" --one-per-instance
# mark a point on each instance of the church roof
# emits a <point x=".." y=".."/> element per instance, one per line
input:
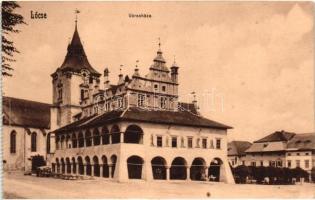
<point x="238" y="148"/>
<point x="133" y="114"/>
<point x="76" y="59"/>
<point x="21" y="112"/>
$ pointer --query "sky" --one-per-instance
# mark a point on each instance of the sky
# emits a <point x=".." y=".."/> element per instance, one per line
<point x="251" y="64"/>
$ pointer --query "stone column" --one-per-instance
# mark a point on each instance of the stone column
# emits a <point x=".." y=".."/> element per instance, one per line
<point x="206" y="172"/>
<point x="188" y="173"/>
<point x="92" y="170"/>
<point x="122" y="137"/>
<point x="110" y="171"/>
<point x="101" y="170"/>
<point x="84" y="170"/>
<point x="109" y="138"/>
<point x="167" y="173"/>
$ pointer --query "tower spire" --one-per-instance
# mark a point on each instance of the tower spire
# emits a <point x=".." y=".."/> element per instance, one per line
<point x="76" y="12"/>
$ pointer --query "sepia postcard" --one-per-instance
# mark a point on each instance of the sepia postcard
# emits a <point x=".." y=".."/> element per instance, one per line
<point x="157" y="99"/>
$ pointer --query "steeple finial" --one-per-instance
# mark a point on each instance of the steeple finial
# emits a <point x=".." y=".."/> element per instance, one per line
<point x="120" y="68"/>
<point x="137" y="61"/>
<point x="76" y="12"/>
<point x="159" y="43"/>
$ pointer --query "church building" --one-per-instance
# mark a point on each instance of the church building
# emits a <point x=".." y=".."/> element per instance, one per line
<point x="134" y="128"/>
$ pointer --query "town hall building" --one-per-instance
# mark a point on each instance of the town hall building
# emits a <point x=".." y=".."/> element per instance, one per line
<point x="134" y="128"/>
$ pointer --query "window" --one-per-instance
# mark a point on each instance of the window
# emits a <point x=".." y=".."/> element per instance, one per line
<point x="141" y="99"/>
<point x="107" y="106"/>
<point x="13" y="142"/>
<point x="59" y="93"/>
<point x="174" y="142"/>
<point x="163" y="102"/>
<point x="190" y="142"/>
<point x="218" y="143"/>
<point x="272" y="163"/>
<point x="279" y="163"/>
<point x="90" y="80"/>
<point x="297" y="163"/>
<point x="253" y="163"/>
<point x="261" y="163"/>
<point x="204" y="143"/>
<point x="289" y="154"/>
<point x="120" y="102"/>
<point x="156" y="87"/>
<point x="307" y="164"/>
<point x="243" y="162"/>
<point x="82" y="94"/>
<point x="96" y="109"/>
<point x="163" y="88"/>
<point x="289" y="164"/>
<point x="297" y="154"/>
<point x="306" y="154"/>
<point x="159" y="141"/>
<point x="33" y="141"/>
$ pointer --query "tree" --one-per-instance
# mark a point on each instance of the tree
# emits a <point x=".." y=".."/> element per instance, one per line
<point x="9" y="22"/>
<point x="240" y="173"/>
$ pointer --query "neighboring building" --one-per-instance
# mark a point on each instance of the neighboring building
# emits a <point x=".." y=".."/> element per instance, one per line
<point x="301" y="151"/>
<point x="236" y="152"/>
<point x="26" y="125"/>
<point x="269" y="151"/>
<point x="283" y="149"/>
<point x="134" y="129"/>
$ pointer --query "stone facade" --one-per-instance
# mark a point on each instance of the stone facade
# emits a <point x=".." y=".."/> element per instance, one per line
<point x="135" y="129"/>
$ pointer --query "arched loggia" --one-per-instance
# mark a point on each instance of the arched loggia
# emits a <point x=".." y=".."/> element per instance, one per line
<point x="158" y="168"/>
<point x="134" y="165"/>
<point x="133" y="134"/>
<point x="216" y="170"/>
<point x="198" y="169"/>
<point x="96" y="166"/>
<point x="178" y="169"/>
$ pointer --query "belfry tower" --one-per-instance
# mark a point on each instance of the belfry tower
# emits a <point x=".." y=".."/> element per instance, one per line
<point x="73" y="83"/>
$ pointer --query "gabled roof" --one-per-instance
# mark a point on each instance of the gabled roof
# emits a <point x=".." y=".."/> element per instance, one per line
<point x="76" y="59"/>
<point x="238" y="148"/>
<point x="21" y="112"/>
<point x="277" y="136"/>
<point x="181" y="118"/>
<point x="302" y="141"/>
